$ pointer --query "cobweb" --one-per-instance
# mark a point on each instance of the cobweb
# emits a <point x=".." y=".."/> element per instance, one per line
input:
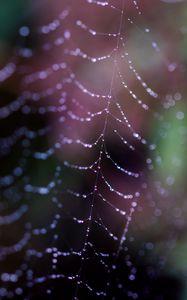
<point x="76" y="151"/>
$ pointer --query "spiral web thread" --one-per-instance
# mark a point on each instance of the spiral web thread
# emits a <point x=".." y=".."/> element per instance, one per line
<point x="69" y="111"/>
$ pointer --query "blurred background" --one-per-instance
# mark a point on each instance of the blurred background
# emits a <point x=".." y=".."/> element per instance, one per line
<point x="47" y="73"/>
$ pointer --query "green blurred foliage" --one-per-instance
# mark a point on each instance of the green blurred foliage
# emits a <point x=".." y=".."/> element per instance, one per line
<point x="171" y="136"/>
<point x="12" y="15"/>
